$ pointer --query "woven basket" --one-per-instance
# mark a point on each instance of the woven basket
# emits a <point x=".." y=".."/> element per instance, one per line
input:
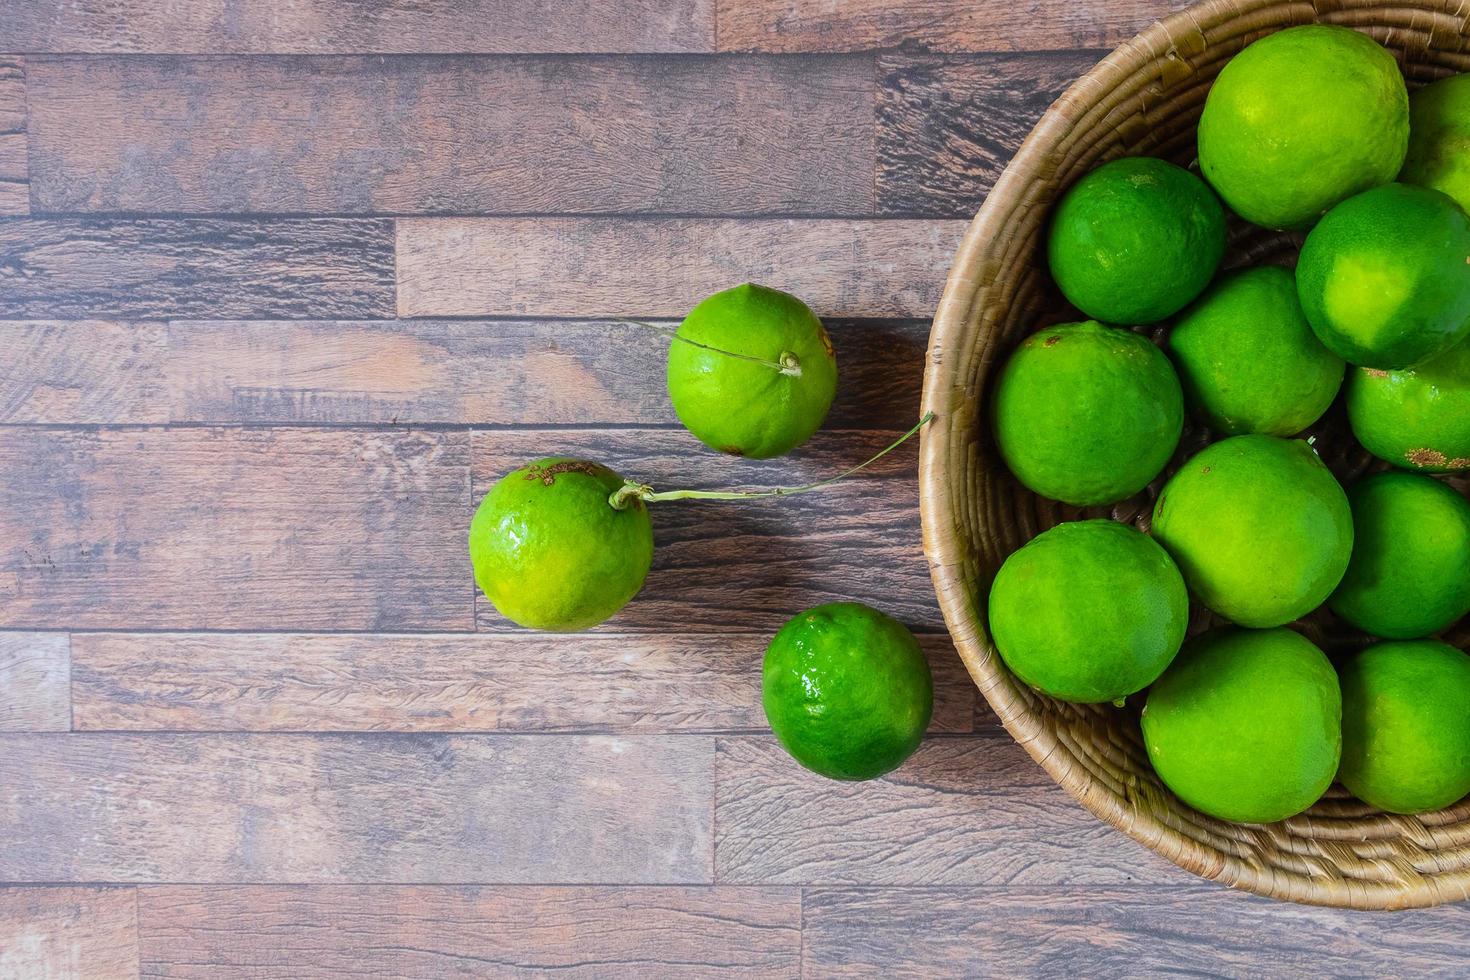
<point x="1145" y="98"/>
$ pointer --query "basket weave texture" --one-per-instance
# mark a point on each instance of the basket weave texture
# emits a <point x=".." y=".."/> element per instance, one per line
<point x="1145" y="98"/>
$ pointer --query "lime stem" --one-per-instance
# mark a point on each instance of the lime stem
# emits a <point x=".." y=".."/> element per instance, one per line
<point x="788" y="364"/>
<point x="631" y="490"/>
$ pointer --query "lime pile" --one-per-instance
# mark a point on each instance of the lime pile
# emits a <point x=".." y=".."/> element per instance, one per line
<point x="1311" y="129"/>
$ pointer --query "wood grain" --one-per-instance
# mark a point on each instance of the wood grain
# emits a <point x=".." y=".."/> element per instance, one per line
<point x="68" y="933"/>
<point x="1193" y="930"/>
<point x="314" y="931"/>
<point x="405" y="371"/>
<point x="141" y="269"/>
<point x="532" y="682"/>
<point x="35" y="682"/>
<point x="355" y="808"/>
<point x="381" y="27"/>
<point x="748" y="566"/>
<point x="578" y="267"/>
<point x="433" y="135"/>
<point x="964" y="810"/>
<point x="947" y="126"/>
<point x="945" y="25"/>
<point x="14" y="168"/>
<point x="228" y="528"/>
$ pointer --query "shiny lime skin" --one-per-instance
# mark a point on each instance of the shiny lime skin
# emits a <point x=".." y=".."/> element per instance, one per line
<point x="1135" y="240"/>
<point x="1248" y="359"/>
<point x="1300" y="120"/>
<point x="1087" y="414"/>
<point x="1439" y="138"/>
<point x="1410" y="571"/>
<point x="847" y="690"/>
<point x="1384" y="278"/>
<point x="1246" y="724"/>
<point x="1260" y="528"/>
<point x="740" y="407"/>
<point x="552" y="553"/>
<point x="1418" y="419"/>
<point x="1089" y="611"/>
<point x="1405" y="726"/>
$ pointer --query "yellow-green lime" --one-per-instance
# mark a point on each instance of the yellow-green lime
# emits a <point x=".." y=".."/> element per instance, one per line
<point x="1300" y="120"/>
<point x="1384" y="278"/>
<point x="847" y="690"/>
<point x="1248" y="359"/>
<point x="1088" y="611"/>
<point x="1418" y="418"/>
<point x="745" y="407"/>
<point x="1405" y="727"/>
<point x="552" y="553"/>
<point x="1135" y="240"/>
<point x="1087" y="414"/>
<point x="1410" y="571"/>
<point x="1246" y="724"/>
<point x="1439" y="138"/>
<point x="1260" y="528"/>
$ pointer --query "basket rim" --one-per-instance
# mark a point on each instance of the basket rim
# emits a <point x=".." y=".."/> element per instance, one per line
<point x="942" y="527"/>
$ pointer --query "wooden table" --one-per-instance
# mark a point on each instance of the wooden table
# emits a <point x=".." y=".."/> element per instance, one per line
<point x="287" y="285"/>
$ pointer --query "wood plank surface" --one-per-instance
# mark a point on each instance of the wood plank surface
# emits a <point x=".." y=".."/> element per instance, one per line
<point x="532" y="682"/>
<point x="944" y="25"/>
<point x="354" y="808"/>
<point x="315" y="931"/>
<point x="947" y="126"/>
<point x="141" y="269"/>
<point x="381" y="27"/>
<point x="1186" y="930"/>
<point x="404" y="371"/>
<point x="234" y="529"/>
<point x="68" y="933"/>
<point x="581" y="267"/>
<point x="14" y="168"/>
<point x="436" y="135"/>
<point x="965" y="810"/>
<point x="748" y="566"/>
<point x="35" y="682"/>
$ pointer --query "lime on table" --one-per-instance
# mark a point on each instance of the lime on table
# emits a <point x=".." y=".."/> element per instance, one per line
<point x="1246" y="724"/>
<point x="1087" y="414"/>
<point x="1135" y="240"/>
<point x="1300" y="120"/>
<point x="1248" y="359"/>
<point x="1089" y="611"/>
<point x="847" y="690"/>
<point x="1409" y="575"/>
<point x="774" y="394"/>
<point x="1405" y="727"/>
<point x="1259" y="526"/>
<point x="1439" y="138"/>
<point x="551" y="552"/>
<point x="1384" y="278"/>
<point x="1418" y="418"/>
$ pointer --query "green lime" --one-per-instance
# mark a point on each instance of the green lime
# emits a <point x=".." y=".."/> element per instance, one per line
<point x="847" y="690"/>
<point x="1087" y="414"/>
<point x="1246" y="724"/>
<point x="1088" y="611"/>
<point x="552" y="553"/>
<point x="1135" y="240"/>
<point x="1300" y="120"/>
<point x="1405" y="727"/>
<point x="1384" y="278"/>
<point x="751" y="407"/>
<point x="1260" y="528"/>
<point x="1439" y="138"/>
<point x="1410" y="571"/>
<point x="1419" y="418"/>
<point x="1248" y="359"/>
